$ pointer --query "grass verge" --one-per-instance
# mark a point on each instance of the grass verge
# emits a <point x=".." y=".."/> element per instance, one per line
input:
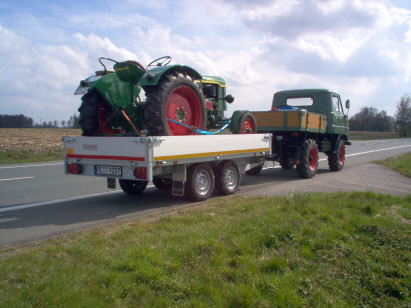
<point x="301" y="250"/>
<point x="400" y="164"/>
<point x="16" y="157"/>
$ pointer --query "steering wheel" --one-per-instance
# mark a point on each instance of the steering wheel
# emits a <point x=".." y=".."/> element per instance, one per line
<point x="162" y="61"/>
<point x="104" y="58"/>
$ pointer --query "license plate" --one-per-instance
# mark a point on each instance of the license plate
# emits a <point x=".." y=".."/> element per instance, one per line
<point x="107" y="170"/>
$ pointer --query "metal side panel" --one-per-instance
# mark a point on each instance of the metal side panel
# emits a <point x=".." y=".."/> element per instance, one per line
<point x="179" y="149"/>
<point x="105" y="148"/>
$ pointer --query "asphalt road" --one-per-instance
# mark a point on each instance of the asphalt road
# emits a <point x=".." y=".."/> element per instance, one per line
<point x="39" y="201"/>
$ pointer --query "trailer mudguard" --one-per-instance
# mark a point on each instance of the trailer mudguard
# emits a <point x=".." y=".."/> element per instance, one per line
<point x="152" y="77"/>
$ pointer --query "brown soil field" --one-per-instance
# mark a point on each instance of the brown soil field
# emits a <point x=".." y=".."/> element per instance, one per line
<point x="34" y="139"/>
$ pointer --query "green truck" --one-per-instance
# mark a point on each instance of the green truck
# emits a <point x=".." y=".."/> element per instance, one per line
<point x="303" y="123"/>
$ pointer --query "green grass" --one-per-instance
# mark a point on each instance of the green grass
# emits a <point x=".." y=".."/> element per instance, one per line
<point x="16" y="157"/>
<point x="400" y="164"/>
<point x="301" y="250"/>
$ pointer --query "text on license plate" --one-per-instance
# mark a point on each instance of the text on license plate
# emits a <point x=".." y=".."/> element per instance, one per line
<point x="107" y="170"/>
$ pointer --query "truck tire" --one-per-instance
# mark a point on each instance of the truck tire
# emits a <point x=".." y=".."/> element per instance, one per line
<point x="93" y="114"/>
<point x="287" y="161"/>
<point x="176" y="97"/>
<point x="308" y="159"/>
<point x="243" y="123"/>
<point x="336" y="159"/>
<point x="163" y="184"/>
<point x="200" y="182"/>
<point x="227" y="178"/>
<point x="132" y="187"/>
<point x="255" y="170"/>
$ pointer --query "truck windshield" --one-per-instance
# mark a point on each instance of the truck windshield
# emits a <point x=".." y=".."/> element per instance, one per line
<point x="300" y="101"/>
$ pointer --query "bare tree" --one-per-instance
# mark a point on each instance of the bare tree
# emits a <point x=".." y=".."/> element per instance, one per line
<point x="403" y="116"/>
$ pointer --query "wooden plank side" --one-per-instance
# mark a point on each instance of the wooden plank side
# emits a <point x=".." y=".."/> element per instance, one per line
<point x="268" y="119"/>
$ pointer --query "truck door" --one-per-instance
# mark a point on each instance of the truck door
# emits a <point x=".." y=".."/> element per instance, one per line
<point x="340" y="119"/>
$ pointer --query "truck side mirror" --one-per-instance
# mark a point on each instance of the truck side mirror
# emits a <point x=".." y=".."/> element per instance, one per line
<point x="229" y="98"/>
<point x="347" y="104"/>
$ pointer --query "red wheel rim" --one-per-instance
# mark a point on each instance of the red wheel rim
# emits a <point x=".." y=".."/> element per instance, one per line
<point x="183" y="105"/>
<point x="313" y="157"/>
<point x="248" y="126"/>
<point x="103" y="113"/>
<point x="341" y="156"/>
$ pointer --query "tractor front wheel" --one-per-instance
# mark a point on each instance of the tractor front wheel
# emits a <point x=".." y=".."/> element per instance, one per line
<point x="243" y="122"/>
<point x="174" y="107"/>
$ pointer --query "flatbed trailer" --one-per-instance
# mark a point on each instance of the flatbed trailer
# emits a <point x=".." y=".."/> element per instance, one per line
<point x="190" y="166"/>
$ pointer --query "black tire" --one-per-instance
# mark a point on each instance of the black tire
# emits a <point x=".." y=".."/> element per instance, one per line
<point x="287" y="161"/>
<point x="163" y="184"/>
<point x="246" y="123"/>
<point x="336" y="159"/>
<point x="159" y="106"/>
<point x="308" y="159"/>
<point x="132" y="187"/>
<point x="255" y="170"/>
<point x="89" y="113"/>
<point x="227" y="178"/>
<point x="200" y="182"/>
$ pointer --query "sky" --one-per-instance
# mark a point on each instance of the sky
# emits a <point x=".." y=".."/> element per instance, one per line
<point x="360" y="49"/>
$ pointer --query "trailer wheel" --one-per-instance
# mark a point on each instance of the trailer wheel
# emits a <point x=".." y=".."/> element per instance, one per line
<point x="200" y="182"/>
<point x="227" y="178"/>
<point x="255" y="170"/>
<point x="163" y="184"/>
<point x="178" y="98"/>
<point x="132" y="187"/>
<point x="308" y="159"/>
<point x="336" y="159"/>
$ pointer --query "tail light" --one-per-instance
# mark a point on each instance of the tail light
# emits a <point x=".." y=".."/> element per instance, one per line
<point x="74" y="168"/>
<point x="140" y="173"/>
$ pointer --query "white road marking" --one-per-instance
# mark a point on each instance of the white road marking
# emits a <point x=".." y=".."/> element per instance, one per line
<point x="26" y="166"/>
<point x="12" y="179"/>
<point x="30" y="205"/>
<point x="403" y="146"/>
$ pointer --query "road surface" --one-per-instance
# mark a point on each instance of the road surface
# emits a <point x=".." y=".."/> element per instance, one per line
<point x="39" y="201"/>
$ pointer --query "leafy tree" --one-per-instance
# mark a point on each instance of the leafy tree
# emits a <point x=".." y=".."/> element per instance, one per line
<point x="403" y="116"/>
<point x="370" y="119"/>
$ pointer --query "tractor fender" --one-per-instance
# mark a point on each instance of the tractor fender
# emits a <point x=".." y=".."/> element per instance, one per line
<point x="153" y="76"/>
<point x="336" y="142"/>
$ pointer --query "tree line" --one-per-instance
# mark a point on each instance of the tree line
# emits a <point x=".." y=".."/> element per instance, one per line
<point x="22" y="121"/>
<point x="370" y="119"/>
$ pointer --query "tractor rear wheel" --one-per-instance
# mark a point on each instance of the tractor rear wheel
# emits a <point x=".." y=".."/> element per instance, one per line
<point x="308" y="159"/>
<point x="174" y="106"/>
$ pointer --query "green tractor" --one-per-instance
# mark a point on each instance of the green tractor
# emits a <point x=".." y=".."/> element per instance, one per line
<point x="178" y="101"/>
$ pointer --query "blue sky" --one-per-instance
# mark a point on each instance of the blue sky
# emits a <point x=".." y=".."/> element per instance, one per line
<point x="360" y="49"/>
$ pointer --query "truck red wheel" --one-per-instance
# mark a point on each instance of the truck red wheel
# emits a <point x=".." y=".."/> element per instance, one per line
<point x="308" y="159"/>
<point x="336" y="159"/>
